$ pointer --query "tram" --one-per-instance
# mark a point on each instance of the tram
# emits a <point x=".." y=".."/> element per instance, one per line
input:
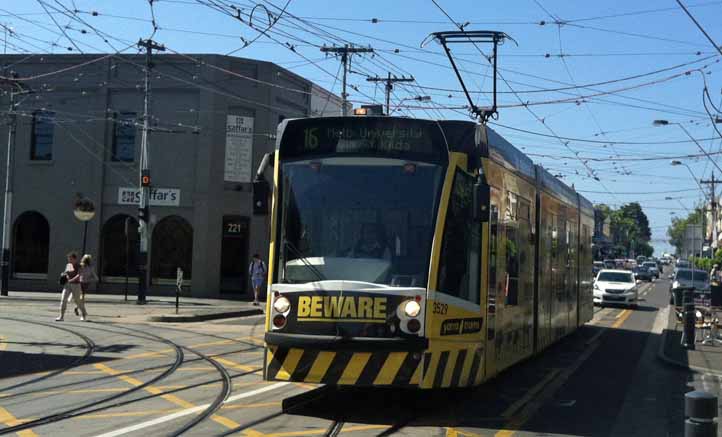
<point x="416" y="253"/>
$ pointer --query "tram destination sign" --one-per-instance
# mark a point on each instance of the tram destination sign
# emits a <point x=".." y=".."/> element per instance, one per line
<point x="385" y="137"/>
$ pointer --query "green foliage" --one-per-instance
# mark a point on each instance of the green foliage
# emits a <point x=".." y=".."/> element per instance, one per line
<point x="675" y="232"/>
<point x="630" y="230"/>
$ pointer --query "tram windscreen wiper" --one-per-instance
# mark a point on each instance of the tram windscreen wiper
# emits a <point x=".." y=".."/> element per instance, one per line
<point x="303" y="259"/>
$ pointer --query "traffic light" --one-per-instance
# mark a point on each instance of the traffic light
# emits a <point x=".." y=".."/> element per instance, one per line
<point x="260" y="197"/>
<point x="145" y="178"/>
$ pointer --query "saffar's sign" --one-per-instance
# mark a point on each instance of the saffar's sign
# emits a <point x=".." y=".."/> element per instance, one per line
<point x="239" y="149"/>
<point x="158" y="196"/>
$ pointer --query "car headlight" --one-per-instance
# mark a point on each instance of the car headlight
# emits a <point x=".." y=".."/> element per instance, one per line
<point x="596" y="287"/>
<point x="675" y="284"/>
<point x="282" y="304"/>
<point x="412" y="308"/>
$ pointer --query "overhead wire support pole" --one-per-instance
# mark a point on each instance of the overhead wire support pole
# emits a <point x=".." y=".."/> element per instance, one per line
<point x="389" y="81"/>
<point x="713" y="204"/>
<point x="15" y="89"/>
<point x="345" y="53"/>
<point x="144" y="177"/>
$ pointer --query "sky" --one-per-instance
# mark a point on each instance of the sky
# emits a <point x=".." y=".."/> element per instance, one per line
<point x="620" y="64"/>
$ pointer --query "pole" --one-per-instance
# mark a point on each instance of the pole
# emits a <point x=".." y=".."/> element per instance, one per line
<point x="8" y="204"/>
<point x="345" y="51"/>
<point x="85" y="236"/>
<point x="389" y="81"/>
<point x="713" y="204"/>
<point x="143" y="210"/>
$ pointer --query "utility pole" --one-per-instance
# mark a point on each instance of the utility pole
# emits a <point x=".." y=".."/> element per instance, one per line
<point x="345" y="51"/>
<point x="713" y="204"/>
<point x="390" y="86"/>
<point x="145" y="181"/>
<point x="8" y="204"/>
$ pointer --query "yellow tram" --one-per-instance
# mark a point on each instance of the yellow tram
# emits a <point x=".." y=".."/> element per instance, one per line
<point x="416" y="253"/>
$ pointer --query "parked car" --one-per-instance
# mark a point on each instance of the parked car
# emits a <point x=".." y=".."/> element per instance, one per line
<point x="653" y="268"/>
<point x="609" y="264"/>
<point x="682" y="264"/>
<point x="596" y="267"/>
<point x="616" y="287"/>
<point x="643" y="273"/>
<point x="697" y="280"/>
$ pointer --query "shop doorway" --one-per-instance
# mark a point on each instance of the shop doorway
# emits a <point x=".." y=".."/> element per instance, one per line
<point x="234" y="256"/>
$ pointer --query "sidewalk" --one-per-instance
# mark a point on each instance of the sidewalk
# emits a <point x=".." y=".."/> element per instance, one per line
<point x="704" y="359"/>
<point x="157" y="308"/>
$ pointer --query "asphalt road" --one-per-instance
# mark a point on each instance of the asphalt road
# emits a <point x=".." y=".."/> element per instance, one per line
<point x="105" y="379"/>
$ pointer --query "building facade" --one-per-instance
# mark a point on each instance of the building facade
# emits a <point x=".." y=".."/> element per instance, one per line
<point x="78" y="135"/>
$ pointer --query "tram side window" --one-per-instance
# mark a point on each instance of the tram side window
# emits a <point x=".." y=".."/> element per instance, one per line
<point x="459" y="263"/>
<point x="513" y="251"/>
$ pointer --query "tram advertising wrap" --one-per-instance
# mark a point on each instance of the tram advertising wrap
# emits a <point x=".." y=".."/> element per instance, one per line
<point x="385" y="266"/>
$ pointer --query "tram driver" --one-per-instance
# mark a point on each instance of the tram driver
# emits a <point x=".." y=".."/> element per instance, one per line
<point x="372" y="243"/>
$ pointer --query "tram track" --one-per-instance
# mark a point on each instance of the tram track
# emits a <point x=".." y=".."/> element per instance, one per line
<point x="89" y="349"/>
<point x="87" y="408"/>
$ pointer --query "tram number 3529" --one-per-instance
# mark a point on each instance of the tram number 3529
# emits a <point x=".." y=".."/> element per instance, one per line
<point x="440" y="308"/>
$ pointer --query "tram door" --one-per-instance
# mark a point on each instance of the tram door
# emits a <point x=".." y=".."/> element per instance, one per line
<point x="494" y="286"/>
<point x="234" y="255"/>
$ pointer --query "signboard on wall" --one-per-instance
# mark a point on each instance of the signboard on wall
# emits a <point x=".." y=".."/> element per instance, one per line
<point x="158" y="196"/>
<point x="239" y="149"/>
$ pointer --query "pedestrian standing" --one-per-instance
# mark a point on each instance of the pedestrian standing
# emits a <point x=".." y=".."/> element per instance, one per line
<point x="87" y="277"/>
<point x="70" y="279"/>
<point x="257" y="271"/>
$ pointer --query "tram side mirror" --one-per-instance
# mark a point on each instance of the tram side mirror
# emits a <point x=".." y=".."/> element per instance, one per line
<point x="481" y="202"/>
<point x="261" y="191"/>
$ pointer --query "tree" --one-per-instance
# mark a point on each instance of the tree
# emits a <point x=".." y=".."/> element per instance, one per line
<point x="676" y="230"/>
<point x="629" y="227"/>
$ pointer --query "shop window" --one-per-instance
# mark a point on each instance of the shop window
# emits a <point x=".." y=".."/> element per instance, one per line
<point x="124" y="137"/>
<point x="41" y="148"/>
<point x="459" y="263"/>
<point x="31" y="238"/>
<point x="119" y="253"/>
<point x="172" y="247"/>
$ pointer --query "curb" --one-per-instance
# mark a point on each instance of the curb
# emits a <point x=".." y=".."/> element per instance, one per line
<point x="661" y="355"/>
<point x="188" y="318"/>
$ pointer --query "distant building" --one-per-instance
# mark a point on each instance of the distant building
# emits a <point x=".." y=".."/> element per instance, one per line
<point x="78" y="135"/>
<point x="601" y="241"/>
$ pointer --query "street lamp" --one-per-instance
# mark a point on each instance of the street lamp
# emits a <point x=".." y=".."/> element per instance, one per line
<point x="417" y="98"/>
<point x="678" y="201"/>
<point x="681" y="126"/>
<point x="678" y="162"/>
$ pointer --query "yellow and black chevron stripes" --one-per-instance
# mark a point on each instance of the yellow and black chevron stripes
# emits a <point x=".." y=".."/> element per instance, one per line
<point x="451" y="368"/>
<point x="343" y="367"/>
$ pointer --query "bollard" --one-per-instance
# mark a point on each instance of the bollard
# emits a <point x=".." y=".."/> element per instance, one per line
<point x="689" y="320"/>
<point x="178" y="287"/>
<point x="700" y="410"/>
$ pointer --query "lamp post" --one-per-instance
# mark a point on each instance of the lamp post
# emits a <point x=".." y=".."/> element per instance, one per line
<point x="405" y="99"/>
<point x="84" y="210"/>
<point x="676" y="162"/>
<point x="713" y="197"/>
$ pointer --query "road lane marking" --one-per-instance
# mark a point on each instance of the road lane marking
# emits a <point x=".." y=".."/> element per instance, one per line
<point x="622" y="318"/>
<point x="514" y="407"/>
<point x="528" y="411"/>
<point x="234" y="365"/>
<point x="317" y="431"/>
<point x="164" y="352"/>
<point x="10" y="420"/>
<point x="453" y="432"/>
<point x="168" y="397"/>
<point x="188" y="411"/>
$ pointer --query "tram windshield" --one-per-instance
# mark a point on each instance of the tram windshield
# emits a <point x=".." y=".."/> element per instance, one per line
<point x="358" y="219"/>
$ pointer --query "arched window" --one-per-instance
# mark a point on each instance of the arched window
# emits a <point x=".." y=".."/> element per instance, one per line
<point x="31" y="237"/>
<point x="172" y="247"/>
<point x="119" y="254"/>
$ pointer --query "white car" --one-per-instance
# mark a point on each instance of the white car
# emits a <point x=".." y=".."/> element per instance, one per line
<point x="616" y="287"/>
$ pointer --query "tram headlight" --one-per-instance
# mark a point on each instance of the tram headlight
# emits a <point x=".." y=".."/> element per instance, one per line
<point x="411" y="308"/>
<point x="281" y="304"/>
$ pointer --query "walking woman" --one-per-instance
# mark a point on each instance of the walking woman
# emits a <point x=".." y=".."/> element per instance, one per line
<point x="87" y="277"/>
<point x="71" y="287"/>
